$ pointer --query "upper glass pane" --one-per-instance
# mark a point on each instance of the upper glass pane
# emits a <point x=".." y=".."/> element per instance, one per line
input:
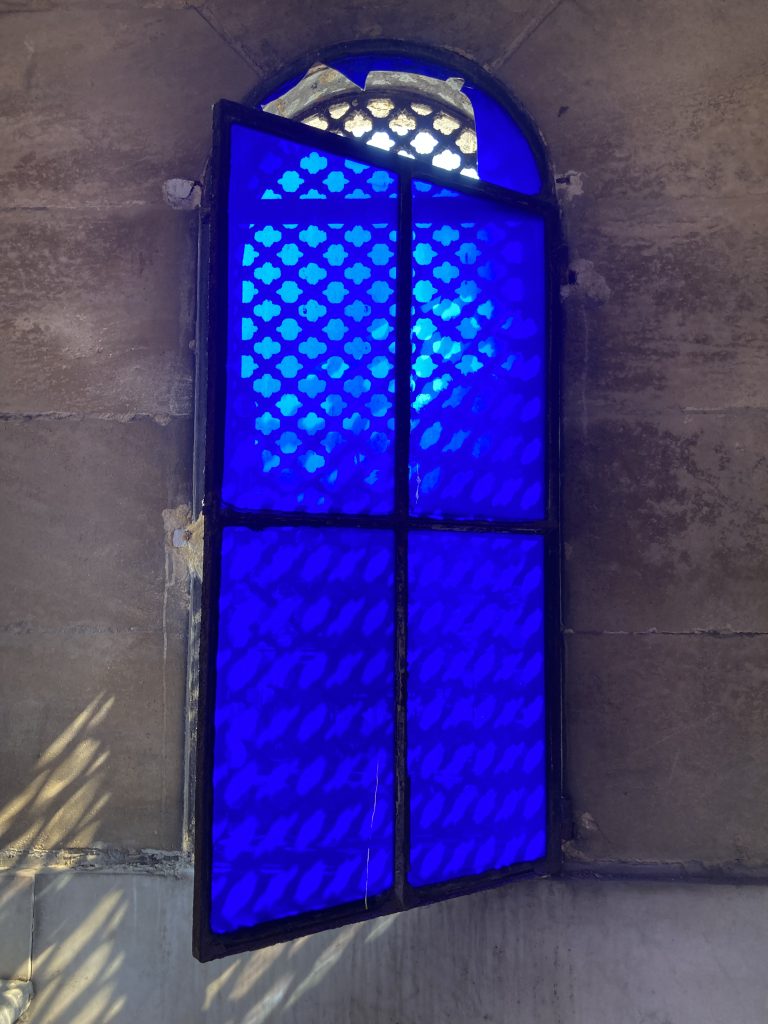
<point x="479" y="359"/>
<point x="303" y="791"/>
<point x="311" y="314"/>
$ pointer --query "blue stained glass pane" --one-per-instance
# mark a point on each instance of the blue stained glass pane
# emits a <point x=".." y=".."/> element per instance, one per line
<point x="504" y="155"/>
<point x="476" y="726"/>
<point x="358" y="68"/>
<point x="303" y="768"/>
<point x="479" y="359"/>
<point x="310" y="347"/>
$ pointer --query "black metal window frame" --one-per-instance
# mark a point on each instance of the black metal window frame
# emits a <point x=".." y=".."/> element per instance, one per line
<point x="207" y="944"/>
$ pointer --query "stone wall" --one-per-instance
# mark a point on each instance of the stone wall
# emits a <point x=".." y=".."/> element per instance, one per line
<point x="654" y="115"/>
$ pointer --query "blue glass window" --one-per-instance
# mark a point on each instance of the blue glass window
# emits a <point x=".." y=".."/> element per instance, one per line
<point x="375" y="726"/>
<point x="303" y="729"/>
<point x="476" y="726"/>
<point x="310" y="387"/>
<point x="505" y="155"/>
<point x="479" y="362"/>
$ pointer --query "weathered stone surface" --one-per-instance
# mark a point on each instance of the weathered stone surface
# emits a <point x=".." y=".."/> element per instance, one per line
<point x="97" y="315"/>
<point x="82" y="540"/>
<point x="272" y="42"/>
<point x="16" y="902"/>
<point x="96" y="751"/>
<point x="651" y="99"/>
<point x="100" y="106"/>
<point x="667" y="311"/>
<point x="575" y="952"/>
<point x="665" y="522"/>
<point x="667" y="760"/>
<point x="25" y="6"/>
<point x="658" y="109"/>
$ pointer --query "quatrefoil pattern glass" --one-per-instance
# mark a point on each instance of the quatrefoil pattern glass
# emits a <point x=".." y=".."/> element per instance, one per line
<point x="310" y="355"/>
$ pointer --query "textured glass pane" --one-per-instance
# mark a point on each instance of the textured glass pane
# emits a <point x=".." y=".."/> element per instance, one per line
<point x="303" y="768"/>
<point x="310" y="386"/>
<point x="479" y="366"/>
<point x="476" y="728"/>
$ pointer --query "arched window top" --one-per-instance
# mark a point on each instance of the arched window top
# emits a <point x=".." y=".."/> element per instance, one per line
<point x="420" y="108"/>
<point x="378" y="705"/>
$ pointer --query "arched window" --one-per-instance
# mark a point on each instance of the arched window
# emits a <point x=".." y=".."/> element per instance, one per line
<point x="379" y="699"/>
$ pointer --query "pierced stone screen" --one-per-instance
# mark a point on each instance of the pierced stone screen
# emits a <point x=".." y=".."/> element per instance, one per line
<point x="413" y="126"/>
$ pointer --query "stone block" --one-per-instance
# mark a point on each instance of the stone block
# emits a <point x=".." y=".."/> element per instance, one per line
<point x="83" y="540"/>
<point x="650" y="99"/>
<point x="117" y="948"/>
<point x="95" y="754"/>
<point x="666" y="753"/>
<point x="25" y="6"/>
<point x="17" y="894"/>
<point x="665" y="526"/>
<point x="101" y="105"/>
<point x="276" y="43"/>
<point x="97" y="312"/>
<point x="667" y="310"/>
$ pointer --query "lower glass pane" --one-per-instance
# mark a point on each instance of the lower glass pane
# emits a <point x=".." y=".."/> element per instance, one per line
<point x="476" y="724"/>
<point x="303" y="748"/>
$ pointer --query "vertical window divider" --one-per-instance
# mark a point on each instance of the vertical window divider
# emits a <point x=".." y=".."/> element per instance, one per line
<point x="402" y="439"/>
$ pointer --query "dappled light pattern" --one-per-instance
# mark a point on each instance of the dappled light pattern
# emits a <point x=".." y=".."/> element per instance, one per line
<point x="479" y="360"/>
<point x="476" y="739"/>
<point x="79" y="976"/>
<point x="63" y="802"/>
<point x="311" y="340"/>
<point x="303" y="772"/>
<point x="115" y="948"/>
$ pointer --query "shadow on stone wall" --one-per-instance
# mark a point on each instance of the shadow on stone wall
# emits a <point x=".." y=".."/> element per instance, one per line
<point x="81" y="965"/>
<point x="63" y="803"/>
<point x="279" y="983"/>
<point x="110" y="949"/>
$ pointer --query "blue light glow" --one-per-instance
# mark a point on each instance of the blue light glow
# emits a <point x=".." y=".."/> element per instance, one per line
<point x="476" y="725"/>
<point x="303" y="765"/>
<point x="310" y="330"/>
<point x="479" y="360"/>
